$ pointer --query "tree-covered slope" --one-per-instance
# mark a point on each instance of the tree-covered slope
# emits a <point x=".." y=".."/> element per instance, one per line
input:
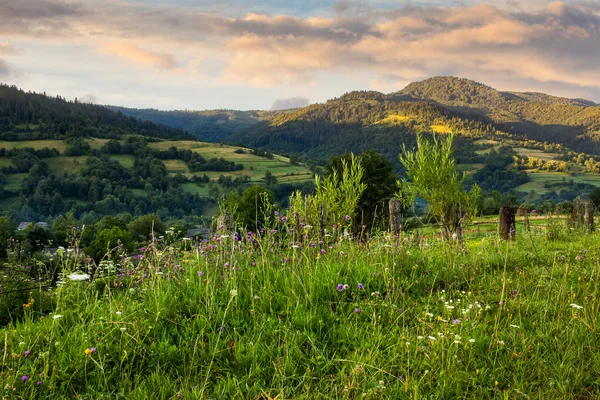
<point x="209" y="125"/>
<point x="35" y="116"/>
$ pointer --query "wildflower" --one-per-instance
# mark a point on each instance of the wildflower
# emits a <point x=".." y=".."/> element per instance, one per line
<point x="347" y="217"/>
<point x="233" y="292"/>
<point x="431" y="337"/>
<point x="39" y="383"/>
<point x="515" y="326"/>
<point x="323" y="251"/>
<point x="456" y="321"/>
<point x="357" y="310"/>
<point x="57" y="316"/>
<point x="419" y="337"/>
<point x="27" y="353"/>
<point x="576" y="306"/>
<point x="361" y="286"/>
<point x="346" y="287"/>
<point x="472" y="340"/>
<point x="340" y="287"/>
<point x="24" y="378"/>
<point x="457" y="341"/>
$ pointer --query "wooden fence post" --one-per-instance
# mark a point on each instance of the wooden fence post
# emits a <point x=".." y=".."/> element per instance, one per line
<point x="507" y="222"/>
<point x="588" y="216"/>
<point x="395" y="216"/>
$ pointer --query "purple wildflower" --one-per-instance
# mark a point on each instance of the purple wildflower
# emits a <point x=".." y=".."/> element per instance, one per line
<point x="24" y="378"/>
<point x="361" y="286"/>
<point x="39" y="383"/>
<point x="357" y="310"/>
<point x="27" y="353"/>
<point x="200" y="273"/>
<point x="456" y="321"/>
<point x="340" y="287"/>
<point x="323" y="251"/>
<point x="348" y="217"/>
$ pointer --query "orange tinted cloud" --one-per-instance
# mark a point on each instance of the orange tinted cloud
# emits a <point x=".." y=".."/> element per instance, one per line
<point x="134" y="54"/>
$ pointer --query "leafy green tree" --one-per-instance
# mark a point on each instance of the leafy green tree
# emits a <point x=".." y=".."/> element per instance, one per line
<point x="269" y="179"/>
<point x="432" y="175"/>
<point x="250" y="208"/>
<point x="595" y="196"/>
<point x="109" y="239"/>
<point x="143" y="227"/>
<point x="380" y="180"/>
<point x="63" y="227"/>
<point x="7" y="230"/>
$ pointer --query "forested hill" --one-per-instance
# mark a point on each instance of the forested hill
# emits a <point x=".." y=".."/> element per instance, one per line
<point x="573" y="123"/>
<point x="473" y="110"/>
<point x="209" y="125"/>
<point x="35" y="116"/>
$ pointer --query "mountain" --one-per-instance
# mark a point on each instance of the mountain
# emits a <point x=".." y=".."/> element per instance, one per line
<point x="27" y="115"/>
<point x="443" y="104"/>
<point x="59" y="157"/>
<point x="573" y="123"/>
<point x="209" y="125"/>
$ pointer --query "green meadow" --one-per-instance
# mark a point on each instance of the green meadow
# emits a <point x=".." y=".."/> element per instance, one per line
<point x="275" y="316"/>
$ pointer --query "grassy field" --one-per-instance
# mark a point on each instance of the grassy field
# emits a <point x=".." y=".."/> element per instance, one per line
<point x="539" y="178"/>
<point x="279" y="317"/>
<point x="255" y="167"/>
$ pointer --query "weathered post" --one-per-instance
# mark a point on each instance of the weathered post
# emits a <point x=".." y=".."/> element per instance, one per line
<point x="507" y="222"/>
<point x="588" y="214"/>
<point x="578" y="214"/>
<point x="395" y="216"/>
<point x="522" y="212"/>
<point x="458" y="231"/>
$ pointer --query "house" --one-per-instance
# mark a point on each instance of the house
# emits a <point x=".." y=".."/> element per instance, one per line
<point x="203" y="233"/>
<point x="24" y="225"/>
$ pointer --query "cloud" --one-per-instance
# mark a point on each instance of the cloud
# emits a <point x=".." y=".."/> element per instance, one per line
<point x="4" y="70"/>
<point x="558" y="43"/>
<point x="134" y="54"/>
<point x="90" y="98"/>
<point x="289" y="103"/>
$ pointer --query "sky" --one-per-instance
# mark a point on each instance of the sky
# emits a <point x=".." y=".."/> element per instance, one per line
<point x="264" y="54"/>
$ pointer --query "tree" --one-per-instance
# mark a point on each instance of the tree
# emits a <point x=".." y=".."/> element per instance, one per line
<point x="250" y="208"/>
<point x="270" y="179"/>
<point x="109" y="239"/>
<point x="379" y="178"/>
<point x="432" y="175"/>
<point x="143" y="227"/>
<point x="7" y="230"/>
<point x="595" y="196"/>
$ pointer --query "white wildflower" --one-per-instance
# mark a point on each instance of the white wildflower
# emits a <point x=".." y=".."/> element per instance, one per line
<point x="576" y="306"/>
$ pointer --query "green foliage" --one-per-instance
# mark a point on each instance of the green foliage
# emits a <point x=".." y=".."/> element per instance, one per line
<point x="335" y="199"/>
<point x="110" y="239"/>
<point x="231" y="319"/>
<point x="145" y="227"/>
<point x="432" y="175"/>
<point x="379" y="179"/>
<point x="251" y="210"/>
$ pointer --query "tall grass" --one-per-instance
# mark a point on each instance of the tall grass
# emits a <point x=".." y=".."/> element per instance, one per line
<point x="253" y="316"/>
